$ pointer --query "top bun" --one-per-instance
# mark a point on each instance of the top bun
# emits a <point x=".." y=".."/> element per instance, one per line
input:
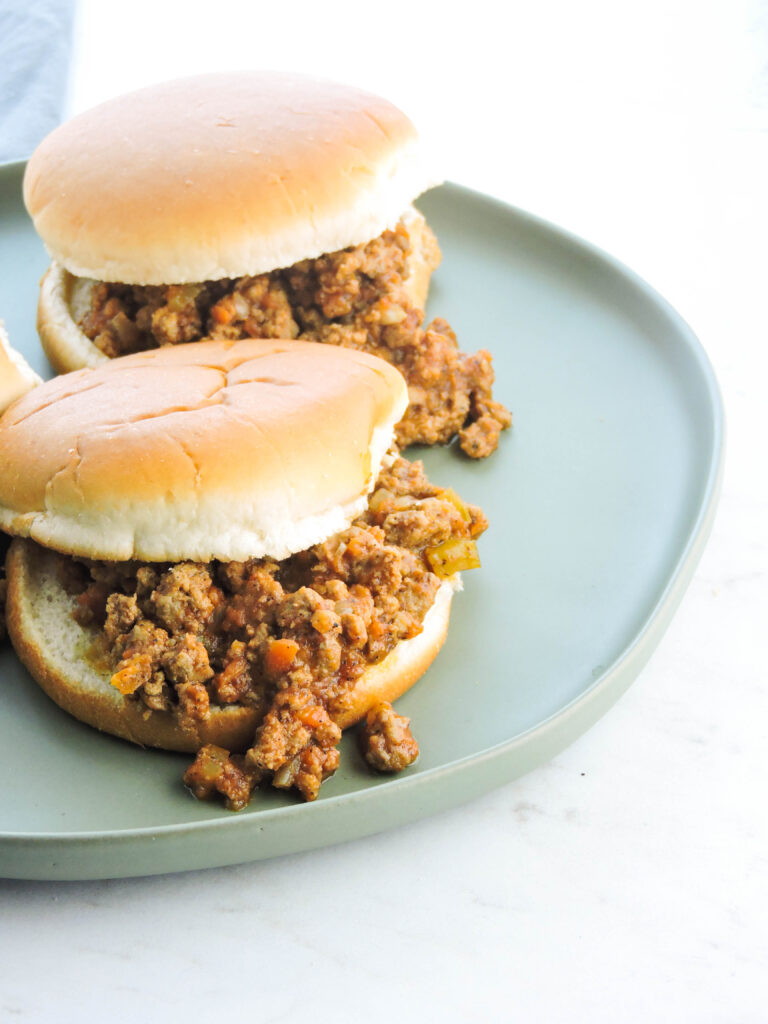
<point x="221" y="175"/>
<point x="225" y="450"/>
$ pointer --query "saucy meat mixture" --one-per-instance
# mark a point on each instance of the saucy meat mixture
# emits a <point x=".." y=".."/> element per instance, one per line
<point x="356" y="298"/>
<point x="386" y="741"/>
<point x="287" y="638"/>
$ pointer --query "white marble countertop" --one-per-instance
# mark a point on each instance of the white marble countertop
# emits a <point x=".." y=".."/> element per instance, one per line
<point x="627" y="880"/>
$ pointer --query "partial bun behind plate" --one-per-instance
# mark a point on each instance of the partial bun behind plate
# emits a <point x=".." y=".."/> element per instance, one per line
<point x="16" y="375"/>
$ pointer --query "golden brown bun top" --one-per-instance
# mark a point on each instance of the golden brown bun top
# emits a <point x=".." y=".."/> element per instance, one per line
<point x="221" y="175"/>
<point x="224" y="450"/>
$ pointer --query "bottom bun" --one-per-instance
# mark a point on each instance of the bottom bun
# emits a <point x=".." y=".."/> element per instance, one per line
<point x="55" y="650"/>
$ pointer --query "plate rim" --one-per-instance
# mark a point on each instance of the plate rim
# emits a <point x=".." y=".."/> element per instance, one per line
<point x="588" y="706"/>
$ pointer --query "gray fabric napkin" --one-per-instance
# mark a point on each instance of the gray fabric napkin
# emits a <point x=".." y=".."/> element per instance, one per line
<point x="35" y="43"/>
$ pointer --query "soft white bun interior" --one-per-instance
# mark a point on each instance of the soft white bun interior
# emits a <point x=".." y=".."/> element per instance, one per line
<point x="62" y="303"/>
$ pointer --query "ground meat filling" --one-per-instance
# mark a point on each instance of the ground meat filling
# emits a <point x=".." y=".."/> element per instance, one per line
<point x="288" y="638"/>
<point x="355" y="298"/>
<point x="386" y="740"/>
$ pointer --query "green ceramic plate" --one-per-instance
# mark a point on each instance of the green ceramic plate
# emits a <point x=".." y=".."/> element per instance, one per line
<point x="600" y="500"/>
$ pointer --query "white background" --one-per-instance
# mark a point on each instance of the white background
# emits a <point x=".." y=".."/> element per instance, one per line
<point x="627" y="880"/>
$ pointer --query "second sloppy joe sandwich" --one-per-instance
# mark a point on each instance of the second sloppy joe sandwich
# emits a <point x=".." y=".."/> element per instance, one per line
<point x="217" y="552"/>
<point x="252" y="205"/>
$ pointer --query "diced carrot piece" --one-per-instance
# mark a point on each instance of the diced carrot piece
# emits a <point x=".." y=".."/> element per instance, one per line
<point x="128" y="679"/>
<point x="221" y="314"/>
<point x="313" y="716"/>
<point x="280" y="655"/>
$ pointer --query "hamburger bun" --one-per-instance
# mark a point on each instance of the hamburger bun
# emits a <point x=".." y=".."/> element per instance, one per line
<point x="189" y="452"/>
<point x="16" y="376"/>
<point x="55" y="651"/>
<point x="221" y="175"/>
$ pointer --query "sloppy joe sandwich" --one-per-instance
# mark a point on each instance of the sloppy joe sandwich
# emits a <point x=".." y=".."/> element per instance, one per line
<point x="252" y="205"/>
<point x="217" y="551"/>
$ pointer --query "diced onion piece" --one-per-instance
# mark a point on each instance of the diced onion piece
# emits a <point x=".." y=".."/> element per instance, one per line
<point x="377" y="499"/>
<point x="286" y="774"/>
<point x="450" y="495"/>
<point x="391" y="313"/>
<point x="181" y="295"/>
<point x="210" y="762"/>
<point x="454" y="555"/>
